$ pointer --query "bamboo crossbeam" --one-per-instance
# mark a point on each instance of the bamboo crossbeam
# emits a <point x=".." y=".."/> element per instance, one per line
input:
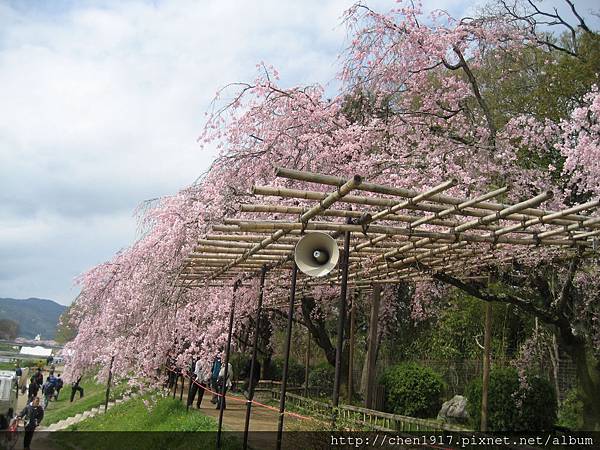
<point x="395" y="231"/>
<point x="342" y="191"/>
<point x="551" y="217"/>
<point x="209" y="249"/>
<point x="297" y="210"/>
<point x="569" y="228"/>
<point x="412" y="201"/>
<point x="239" y="245"/>
<point x="401" y="192"/>
<point x="228" y="256"/>
<point x="246" y="238"/>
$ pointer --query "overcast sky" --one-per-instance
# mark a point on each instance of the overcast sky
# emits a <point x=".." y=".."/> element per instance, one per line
<point x="101" y="105"/>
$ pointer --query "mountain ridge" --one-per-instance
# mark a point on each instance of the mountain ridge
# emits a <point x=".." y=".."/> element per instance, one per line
<point x="34" y="315"/>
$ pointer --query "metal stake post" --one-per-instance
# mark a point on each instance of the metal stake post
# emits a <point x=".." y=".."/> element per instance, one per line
<point x="372" y="351"/>
<point x="286" y="357"/>
<point x="487" y="344"/>
<point x="182" y="386"/>
<point x="307" y="363"/>
<point x="187" y="405"/>
<point x="263" y="272"/>
<point x="340" y="327"/>
<point x="350" y="391"/>
<point x="108" y="383"/>
<point x="175" y="381"/>
<point x="226" y="362"/>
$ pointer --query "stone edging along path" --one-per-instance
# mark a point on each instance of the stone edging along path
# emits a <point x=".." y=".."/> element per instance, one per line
<point x="65" y="423"/>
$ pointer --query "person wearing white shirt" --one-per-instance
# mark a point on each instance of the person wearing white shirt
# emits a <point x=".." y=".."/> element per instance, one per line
<point x="199" y="383"/>
<point x="226" y="383"/>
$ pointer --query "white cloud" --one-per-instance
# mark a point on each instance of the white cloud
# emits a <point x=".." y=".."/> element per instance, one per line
<point x="102" y="105"/>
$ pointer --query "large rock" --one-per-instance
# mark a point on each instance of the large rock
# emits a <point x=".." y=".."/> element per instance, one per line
<point x="454" y="410"/>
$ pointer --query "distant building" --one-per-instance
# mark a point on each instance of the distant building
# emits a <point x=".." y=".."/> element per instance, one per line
<point x="38" y="350"/>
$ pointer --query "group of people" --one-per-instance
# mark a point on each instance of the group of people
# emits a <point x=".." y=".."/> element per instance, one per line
<point x="50" y="389"/>
<point x="33" y="413"/>
<point x="214" y="380"/>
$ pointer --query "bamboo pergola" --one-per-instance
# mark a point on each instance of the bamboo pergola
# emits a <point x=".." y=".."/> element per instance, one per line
<point x="388" y="235"/>
<point x="397" y="234"/>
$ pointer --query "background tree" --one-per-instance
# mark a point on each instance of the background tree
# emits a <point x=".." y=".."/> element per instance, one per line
<point x="9" y="329"/>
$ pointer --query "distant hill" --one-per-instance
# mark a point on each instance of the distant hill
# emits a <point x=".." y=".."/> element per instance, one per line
<point x="34" y="315"/>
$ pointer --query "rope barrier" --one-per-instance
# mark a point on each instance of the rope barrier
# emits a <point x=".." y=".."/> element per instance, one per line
<point x="254" y="402"/>
<point x="237" y="399"/>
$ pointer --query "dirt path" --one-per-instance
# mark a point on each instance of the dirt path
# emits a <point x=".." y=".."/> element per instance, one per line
<point x="234" y="419"/>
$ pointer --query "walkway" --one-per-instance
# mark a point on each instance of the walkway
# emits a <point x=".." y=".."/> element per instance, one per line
<point x="234" y="417"/>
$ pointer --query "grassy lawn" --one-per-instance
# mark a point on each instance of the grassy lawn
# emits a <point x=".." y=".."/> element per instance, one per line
<point x="94" y="395"/>
<point x="167" y="425"/>
<point x="7" y="365"/>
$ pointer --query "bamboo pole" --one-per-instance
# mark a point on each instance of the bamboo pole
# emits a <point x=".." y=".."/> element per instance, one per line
<point x="440" y="198"/>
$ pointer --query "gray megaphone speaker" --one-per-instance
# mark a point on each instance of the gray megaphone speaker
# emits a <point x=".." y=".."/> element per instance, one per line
<point x="316" y="254"/>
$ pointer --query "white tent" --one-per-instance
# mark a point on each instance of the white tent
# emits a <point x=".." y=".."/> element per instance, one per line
<point x="36" y="351"/>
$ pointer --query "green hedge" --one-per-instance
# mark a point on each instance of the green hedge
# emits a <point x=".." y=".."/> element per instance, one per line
<point x="295" y="370"/>
<point x="322" y="377"/>
<point x="570" y="414"/>
<point x="412" y="390"/>
<point x="512" y="407"/>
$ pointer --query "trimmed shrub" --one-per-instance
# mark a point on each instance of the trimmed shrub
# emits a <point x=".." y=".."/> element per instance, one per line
<point x="412" y="390"/>
<point x="512" y="407"/>
<point x="570" y="414"/>
<point x="296" y="371"/>
<point x="322" y="377"/>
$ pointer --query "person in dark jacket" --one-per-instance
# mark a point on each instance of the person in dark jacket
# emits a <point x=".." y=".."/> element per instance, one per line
<point x="214" y="376"/>
<point x="75" y="387"/>
<point x="58" y="386"/>
<point x="33" y="390"/>
<point x="39" y="377"/>
<point x="33" y="415"/>
<point x="48" y="391"/>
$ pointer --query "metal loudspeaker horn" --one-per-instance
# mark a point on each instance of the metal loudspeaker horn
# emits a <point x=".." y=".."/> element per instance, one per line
<point x="316" y="254"/>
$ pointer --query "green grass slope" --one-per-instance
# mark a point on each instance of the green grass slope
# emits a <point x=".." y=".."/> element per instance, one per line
<point x="94" y="395"/>
<point x="132" y="425"/>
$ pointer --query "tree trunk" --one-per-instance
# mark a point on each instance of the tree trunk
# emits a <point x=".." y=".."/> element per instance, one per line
<point x="318" y="330"/>
<point x="588" y="375"/>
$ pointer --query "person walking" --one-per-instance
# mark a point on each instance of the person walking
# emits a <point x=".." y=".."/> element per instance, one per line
<point x="76" y="388"/>
<point x="39" y="377"/>
<point x="214" y="377"/>
<point x="58" y="386"/>
<point x="224" y="384"/>
<point x="48" y="391"/>
<point x="32" y="390"/>
<point x="199" y="383"/>
<point x="32" y="415"/>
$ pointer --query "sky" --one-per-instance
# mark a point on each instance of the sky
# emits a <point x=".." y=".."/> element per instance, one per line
<point x="101" y="104"/>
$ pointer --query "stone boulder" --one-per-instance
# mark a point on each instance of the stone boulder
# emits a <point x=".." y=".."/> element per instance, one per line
<point x="454" y="410"/>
